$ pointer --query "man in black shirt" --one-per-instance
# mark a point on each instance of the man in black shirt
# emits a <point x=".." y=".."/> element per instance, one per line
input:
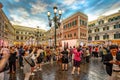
<point x="112" y="62"/>
<point x="64" y="59"/>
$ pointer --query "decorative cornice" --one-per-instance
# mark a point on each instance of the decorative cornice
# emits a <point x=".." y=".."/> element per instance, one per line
<point x="75" y="15"/>
<point x="104" y="17"/>
<point x="24" y="28"/>
<point x="105" y="24"/>
<point x="107" y="31"/>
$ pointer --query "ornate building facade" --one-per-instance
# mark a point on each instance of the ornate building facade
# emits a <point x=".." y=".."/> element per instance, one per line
<point x="50" y="36"/>
<point x="28" y="35"/>
<point x="6" y="30"/>
<point x="75" y="30"/>
<point x="105" y="30"/>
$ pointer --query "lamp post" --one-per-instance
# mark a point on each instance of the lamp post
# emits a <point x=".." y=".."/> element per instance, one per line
<point x="50" y="42"/>
<point x="37" y="35"/>
<point x="56" y="20"/>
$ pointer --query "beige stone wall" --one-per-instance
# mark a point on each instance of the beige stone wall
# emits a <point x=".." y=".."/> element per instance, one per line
<point x="6" y="29"/>
<point x="106" y="23"/>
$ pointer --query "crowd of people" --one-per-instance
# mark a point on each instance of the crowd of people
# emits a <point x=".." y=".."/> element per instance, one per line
<point x="31" y="58"/>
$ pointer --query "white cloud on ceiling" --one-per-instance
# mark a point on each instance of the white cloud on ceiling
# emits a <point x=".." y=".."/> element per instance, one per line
<point x="22" y="17"/>
<point x="74" y="4"/>
<point x="38" y="7"/>
<point x="17" y="0"/>
<point x="103" y="12"/>
<point x="29" y="22"/>
<point x="113" y="9"/>
<point x="19" y="11"/>
<point x="68" y="2"/>
<point x="92" y="17"/>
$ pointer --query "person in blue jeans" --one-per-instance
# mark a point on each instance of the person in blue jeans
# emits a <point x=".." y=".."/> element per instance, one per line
<point x="21" y="51"/>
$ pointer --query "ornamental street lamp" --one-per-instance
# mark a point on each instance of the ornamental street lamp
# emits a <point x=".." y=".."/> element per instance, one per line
<point x="50" y="42"/>
<point x="37" y="35"/>
<point x="56" y="20"/>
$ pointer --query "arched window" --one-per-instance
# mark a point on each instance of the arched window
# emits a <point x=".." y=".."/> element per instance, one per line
<point x="116" y="26"/>
<point x="97" y="37"/>
<point x="118" y="17"/>
<point x="117" y="35"/>
<point x="74" y="34"/>
<point x="21" y="37"/>
<point x="89" y="31"/>
<point x="93" y="24"/>
<point x="65" y="36"/>
<point x="107" y="27"/>
<point x="109" y="20"/>
<point x="105" y="36"/>
<point x="89" y="25"/>
<point x="89" y="38"/>
<point x="17" y="37"/>
<point x="114" y="18"/>
<point x="68" y="36"/>
<point x="97" y="30"/>
<point x="101" y="21"/>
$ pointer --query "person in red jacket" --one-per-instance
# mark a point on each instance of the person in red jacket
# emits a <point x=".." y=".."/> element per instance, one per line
<point x="77" y="60"/>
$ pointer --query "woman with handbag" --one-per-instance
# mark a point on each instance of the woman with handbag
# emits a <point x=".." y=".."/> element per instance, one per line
<point x="27" y="62"/>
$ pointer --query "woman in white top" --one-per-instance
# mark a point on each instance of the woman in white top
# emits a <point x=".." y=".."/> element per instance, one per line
<point x="27" y="67"/>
